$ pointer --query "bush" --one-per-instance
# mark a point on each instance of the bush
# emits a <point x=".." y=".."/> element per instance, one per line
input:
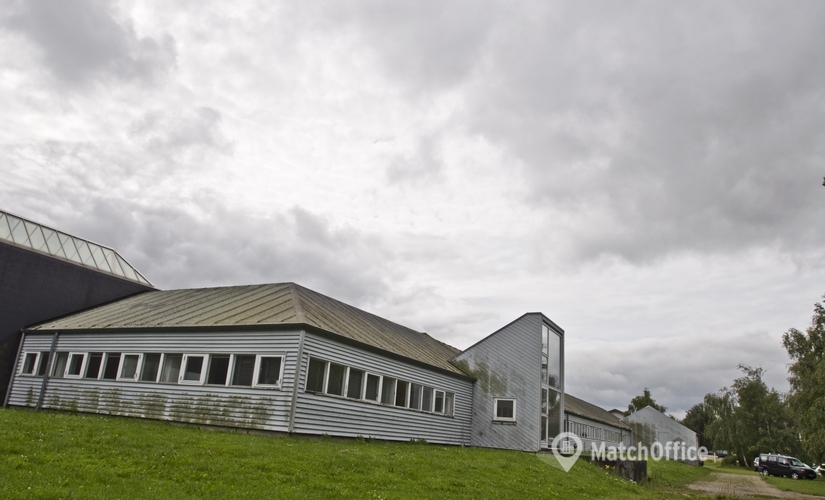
<point x="730" y="461"/>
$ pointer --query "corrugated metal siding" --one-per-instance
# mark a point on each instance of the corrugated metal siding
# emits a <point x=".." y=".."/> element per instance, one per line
<point x="216" y="405"/>
<point x="507" y="364"/>
<point x="320" y="414"/>
<point x="587" y="442"/>
<point x="26" y="389"/>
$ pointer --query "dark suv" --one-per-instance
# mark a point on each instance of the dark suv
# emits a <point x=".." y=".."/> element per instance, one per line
<point x="769" y="464"/>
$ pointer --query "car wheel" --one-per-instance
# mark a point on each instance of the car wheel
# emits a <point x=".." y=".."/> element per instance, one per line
<point x="764" y="472"/>
<point x="794" y="475"/>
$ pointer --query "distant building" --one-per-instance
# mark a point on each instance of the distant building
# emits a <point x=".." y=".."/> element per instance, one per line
<point x="46" y="273"/>
<point x="651" y="426"/>
<point x="594" y="425"/>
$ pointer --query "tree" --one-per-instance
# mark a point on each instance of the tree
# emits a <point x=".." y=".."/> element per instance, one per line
<point x="697" y="418"/>
<point x="640" y="402"/>
<point x="807" y="378"/>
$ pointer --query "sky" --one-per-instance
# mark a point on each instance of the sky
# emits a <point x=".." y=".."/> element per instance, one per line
<point x="647" y="174"/>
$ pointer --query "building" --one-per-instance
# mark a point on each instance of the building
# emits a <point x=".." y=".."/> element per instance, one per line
<point x="46" y="273"/>
<point x="594" y="426"/>
<point x="650" y="426"/>
<point x="284" y="358"/>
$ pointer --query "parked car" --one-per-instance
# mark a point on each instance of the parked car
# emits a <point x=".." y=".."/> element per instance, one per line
<point x="820" y="469"/>
<point x="756" y="460"/>
<point x="782" y="465"/>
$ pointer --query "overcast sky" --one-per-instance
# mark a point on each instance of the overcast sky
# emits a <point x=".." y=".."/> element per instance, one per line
<point x="647" y="174"/>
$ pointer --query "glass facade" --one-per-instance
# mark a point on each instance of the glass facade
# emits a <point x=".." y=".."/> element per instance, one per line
<point x="552" y="385"/>
<point x="40" y="238"/>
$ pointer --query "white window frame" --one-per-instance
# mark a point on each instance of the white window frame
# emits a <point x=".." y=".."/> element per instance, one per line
<point x="204" y="366"/>
<point x="106" y="356"/>
<point x="139" y="374"/>
<point x="163" y="356"/>
<point x="99" y="368"/>
<point x="496" y="418"/>
<point x="229" y="369"/>
<point x="138" y="367"/>
<point x="34" y="366"/>
<point x="443" y="401"/>
<point x="257" y="373"/>
<point x="82" y="364"/>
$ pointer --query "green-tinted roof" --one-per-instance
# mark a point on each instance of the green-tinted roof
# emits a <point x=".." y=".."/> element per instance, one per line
<point x="590" y="411"/>
<point x="257" y="305"/>
<point x="27" y="234"/>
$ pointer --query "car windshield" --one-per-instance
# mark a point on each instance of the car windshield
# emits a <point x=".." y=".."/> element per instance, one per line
<point x="796" y="462"/>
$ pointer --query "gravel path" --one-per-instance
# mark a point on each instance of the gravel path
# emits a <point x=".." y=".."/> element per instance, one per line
<point x="736" y="485"/>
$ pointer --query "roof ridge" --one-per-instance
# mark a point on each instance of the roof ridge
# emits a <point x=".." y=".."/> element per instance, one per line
<point x="300" y="314"/>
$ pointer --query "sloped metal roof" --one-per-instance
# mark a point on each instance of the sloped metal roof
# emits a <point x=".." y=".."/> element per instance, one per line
<point x="590" y="411"/>
<point x="27" y="234"/>
<point x="257" y="305"/>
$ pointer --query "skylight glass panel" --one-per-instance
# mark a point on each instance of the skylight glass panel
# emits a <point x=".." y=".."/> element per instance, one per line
<point x="36" y="238"/>
<point x="100" y="261"/>
<point x="53" y="242"/>
<point x="68" y="245"/>
<point x="142" y="279"/>
<point x="5" y="232"/>
<point x="111" y="259"/>
<point x="18" y="231"/>
<point x="84" y="252"/>
<point x="127" y="269"/>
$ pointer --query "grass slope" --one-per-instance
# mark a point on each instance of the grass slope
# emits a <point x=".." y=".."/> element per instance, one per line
<point x="815" y="487"/>
<point x="61" y="455"/>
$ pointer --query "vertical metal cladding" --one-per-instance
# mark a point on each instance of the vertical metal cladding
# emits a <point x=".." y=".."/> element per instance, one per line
<point x="339" y="416"/>
<point x="507" y="364"/>
<point x="254" y="408"/>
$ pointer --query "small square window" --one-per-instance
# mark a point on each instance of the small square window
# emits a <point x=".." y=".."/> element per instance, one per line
<point x="269" y="370"/>
<point x="170" y="371"/>
<point x="93" y="366"/>
<point x="193" y="369"/>
<point x="111" y="365"/>
<point x="60" y="360"/>
<point x="335" y="379"/>
<point x="315" y="375"/>
<point x="75" y="365"/>
<point x="218" y="369"/>
<point x="243" y="370"/>
<point x="373" y="388"/>
<point x="356" y="380"/>
<point x="129" y="367"/>
<point x="151" y="366"/>
<point x="43" y="364"/>
<point x="504" y="410"/>
<point x="388" y="391"/>
<point x="401" y="393"/>
<point x="29" y="363"/>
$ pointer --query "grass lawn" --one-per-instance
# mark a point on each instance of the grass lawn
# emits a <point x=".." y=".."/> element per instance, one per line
<point x="63" y="455"/>
<point x="815" y="487"/>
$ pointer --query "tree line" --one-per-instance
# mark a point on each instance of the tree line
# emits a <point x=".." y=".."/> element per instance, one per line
<point x="748" y="418"/>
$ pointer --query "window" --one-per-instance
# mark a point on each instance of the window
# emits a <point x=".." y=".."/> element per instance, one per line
<point x="315" y="375"/>
<point x="93" y="366"/>
<point x="218" y="369"/>
<point x="388" y="391"/>
<point x="335" y="379"/>
<point x="59" y="369"/>
<point x="415" y="396"/>
<point x="427" y="399"/>
<point x="193" y="369"/>
<point x="75" y="363"/>
<point x="170" y="373"/>
<point x="129" y="367"/>
<point x="43" y="364"/>
<point x="449" y="403"/>
<point x="269" y="370"/>
<point x="504" y="410"/>
<point x="356" y="380"/>
<point x="373" y="388"/>
<point x="151" y="366"/>
<point x="401" y="393"/>
<point x="439" y="402"/>
<point x="244" y="370"/>
<point x="111" y="365"/>
<point x="29" y="363"/>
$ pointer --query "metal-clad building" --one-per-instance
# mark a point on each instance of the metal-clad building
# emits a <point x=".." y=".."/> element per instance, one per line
<point x="652" y="426"/>
<point x="46" y="273"/>
<point x="594" y="425"/>
<point x="275" y="357"/>
<point x="519" y="393"/>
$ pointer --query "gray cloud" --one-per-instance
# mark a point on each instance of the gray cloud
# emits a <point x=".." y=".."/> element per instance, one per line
<point x="184" y="137"/>
<point x="83" y="40"/>
<point x="424" y="166"/>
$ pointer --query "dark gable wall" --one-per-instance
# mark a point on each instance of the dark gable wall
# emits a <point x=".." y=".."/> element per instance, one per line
<point x="35" y="287"/>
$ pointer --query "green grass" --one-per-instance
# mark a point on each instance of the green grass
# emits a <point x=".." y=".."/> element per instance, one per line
<point x="63" y="455"/>
<point x="815" y="487"/>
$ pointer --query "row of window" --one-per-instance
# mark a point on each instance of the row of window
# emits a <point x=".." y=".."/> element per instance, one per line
<point x="244" y="370"/>
<point x="593" y="432"/>
<point x="325" y="377"/>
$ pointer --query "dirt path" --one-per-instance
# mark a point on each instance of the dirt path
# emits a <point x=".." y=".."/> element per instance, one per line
<point x="736" y="485"/>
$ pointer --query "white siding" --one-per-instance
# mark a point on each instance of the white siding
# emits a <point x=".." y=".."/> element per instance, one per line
<point x="337" y="416"/>
<point x="214" y="405"/>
